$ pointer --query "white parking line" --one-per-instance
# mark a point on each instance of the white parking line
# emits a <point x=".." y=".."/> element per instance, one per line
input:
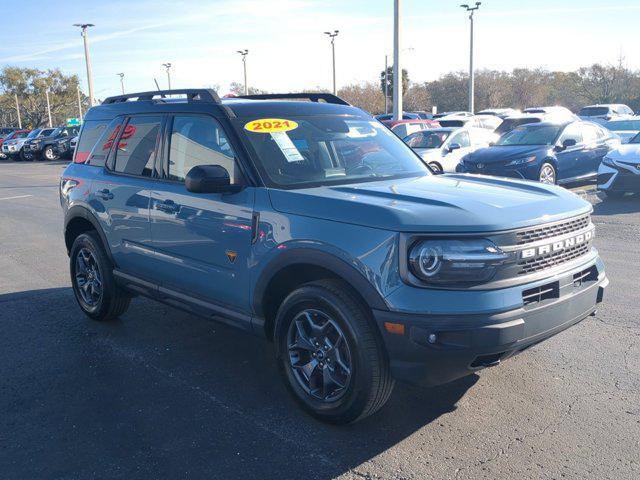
<point x="17" y="196"/>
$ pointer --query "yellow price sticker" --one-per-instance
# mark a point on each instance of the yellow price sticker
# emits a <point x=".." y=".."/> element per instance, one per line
<point x="270" y="125"/>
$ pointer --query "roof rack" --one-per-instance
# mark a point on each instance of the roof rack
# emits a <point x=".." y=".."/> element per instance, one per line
<point x="314" y="97"/>
<point x="193" y="94"/>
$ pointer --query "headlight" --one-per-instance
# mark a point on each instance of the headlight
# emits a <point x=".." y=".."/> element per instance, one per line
<point x="455" y="261"/>
<point x="608" y="161"/>
<point x="522" y="161"/>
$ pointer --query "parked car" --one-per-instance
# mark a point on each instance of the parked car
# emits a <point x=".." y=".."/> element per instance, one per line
<point x="50" y="145"/>
<point x="424" y="115"/>
<point x="547" y="152"/>
<point x="402" y="128"/>
<point x="4" y="131"/>
<point x="619" y="172"/>
<point x="15" y="134"/>
<point x="489" y="122"/>
<point x="555" y="109"/>
<point x="499" y="112"/>
<point x="604" y="112"/>
<point x="25" y="154"/>
<point x="13" y="148"/>
<point x="555" y="116"/>
<point x="625" y="129"/>
<point x="442" y="148"/>
<point x="405" y="116"/>
<point x="455" y="113"/>
<point x="360" y="272"/>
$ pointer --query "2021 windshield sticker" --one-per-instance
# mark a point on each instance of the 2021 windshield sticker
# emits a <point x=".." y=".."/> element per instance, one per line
<point x="270" y="125"/>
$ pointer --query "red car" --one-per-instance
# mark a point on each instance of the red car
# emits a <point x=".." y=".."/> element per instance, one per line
<point x="11" y="136"/>
<point x="402" y="128"/>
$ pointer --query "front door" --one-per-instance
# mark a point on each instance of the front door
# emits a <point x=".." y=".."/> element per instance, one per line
<point x="202" y="241"/>
<point x="569" y="158"/>
<point x="451" y="159"/>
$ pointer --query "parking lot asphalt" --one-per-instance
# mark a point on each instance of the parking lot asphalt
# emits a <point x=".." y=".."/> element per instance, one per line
<point x="164" y="394"/>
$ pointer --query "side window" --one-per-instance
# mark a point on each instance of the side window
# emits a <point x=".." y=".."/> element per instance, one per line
<point x="461" y="139"/>
<point x="573" y="131"/>
<point x="135" y="152"/>
<point x="199" y="140"/>
<point x="98" y="155"/>
<point x="91" y="131"/>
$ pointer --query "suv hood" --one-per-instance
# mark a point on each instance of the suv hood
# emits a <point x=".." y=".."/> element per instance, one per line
<point x="434" y="203"/>
<point x="507" y="153"/>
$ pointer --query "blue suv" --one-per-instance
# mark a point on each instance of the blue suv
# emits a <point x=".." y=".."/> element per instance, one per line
<point x="301" y="219"/>
<point x="552" y="153"/>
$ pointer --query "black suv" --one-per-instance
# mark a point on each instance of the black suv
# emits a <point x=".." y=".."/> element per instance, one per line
<point x="50" y="147"/>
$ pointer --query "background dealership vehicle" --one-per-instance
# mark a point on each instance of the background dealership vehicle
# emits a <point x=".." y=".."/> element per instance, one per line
<point x="625" y="129"/>
<point x="604" y="112"/>
<point x="15" y="134"/>
<point x="361" y="270"/>
<point x="402" y="128"/>
<point x="619" y="172"/>
<point x="499" y="112"/>
<point x="554" y="109"/>
<point x="50" y="144"/>
<point x="547" y="152"/>
<point x="405" y="116"/>
<point x="442" y="148"/>
<point x="513" y="121"/>
<point x="489" y="122"/>
<point x="458" y="113"/>
<point x="26" y="153"/>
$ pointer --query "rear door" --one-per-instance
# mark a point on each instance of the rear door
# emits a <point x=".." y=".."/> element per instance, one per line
<point x="451" y="158"/>
<point x="202" y="241"/>
<point x="120" y="193"/>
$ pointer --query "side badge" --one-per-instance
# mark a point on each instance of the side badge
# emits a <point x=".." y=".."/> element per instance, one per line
<point x="231" y="255"/>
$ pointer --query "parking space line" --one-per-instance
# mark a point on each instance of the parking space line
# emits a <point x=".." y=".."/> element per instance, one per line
<point x="17" y="196"/>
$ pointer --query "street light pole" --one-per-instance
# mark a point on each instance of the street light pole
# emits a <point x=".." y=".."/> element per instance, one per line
<point x="168" y="66"/>
<point x="386" y="84"/>
<point x="244" y="54"/>
<point x="121" y="75"/>
<point x="333" y="36"/>
<point x="79" y="102"/>
<point x="471" y="11"/>
<point x="397" y="65"/>
<point x="46" y="94"/>
<point x="18" y="111"/>
<point x="87" y="58"/>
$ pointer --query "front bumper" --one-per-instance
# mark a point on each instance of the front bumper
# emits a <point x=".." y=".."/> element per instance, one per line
<point x="10" y="149"/>
<point x="622" y="178"/>
<point x="437" y="349"/>
<point x="520" y="172"/>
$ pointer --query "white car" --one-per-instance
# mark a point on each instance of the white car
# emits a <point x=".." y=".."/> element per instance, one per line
<point x="604" y="112"/>
<point x="459" y="113"/>
<point x="619" y="172"/>
<point x="490" y="122"/>
<point x="443" y="148"/>
<point x="626" y="129"/>
<point x="555" y="110"/>
<point x="499" y="112"/>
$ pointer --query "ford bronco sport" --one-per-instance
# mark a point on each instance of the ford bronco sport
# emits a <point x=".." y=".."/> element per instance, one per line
<point x="300" y="218"/>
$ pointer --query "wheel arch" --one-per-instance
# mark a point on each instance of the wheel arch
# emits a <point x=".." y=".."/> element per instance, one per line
<point x="300" y="266"/>
<point x="78" y="220"/>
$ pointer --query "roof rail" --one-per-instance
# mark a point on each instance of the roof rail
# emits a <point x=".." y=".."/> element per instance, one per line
<point x="314" y="97"/>
<point x="193" y="94"/>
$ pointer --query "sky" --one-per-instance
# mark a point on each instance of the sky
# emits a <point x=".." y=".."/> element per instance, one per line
<point x="288" y="50"/>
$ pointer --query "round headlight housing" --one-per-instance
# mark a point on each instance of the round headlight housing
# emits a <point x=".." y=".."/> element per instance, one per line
<point x="454" y="262"/>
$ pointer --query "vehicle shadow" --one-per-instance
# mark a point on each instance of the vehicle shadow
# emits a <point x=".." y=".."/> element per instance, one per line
<point x="170" y="394"/>
<point x="616" y="206"/>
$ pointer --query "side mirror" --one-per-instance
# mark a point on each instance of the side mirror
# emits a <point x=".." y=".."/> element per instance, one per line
<point x="453" y="146"/>
<point x="209" y="179"/>
<point x="569" y="142"/>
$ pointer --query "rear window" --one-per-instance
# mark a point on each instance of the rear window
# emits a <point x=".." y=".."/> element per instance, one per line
<point x="620" y="125"/>
<point x="451" y="123"/>
<point x="135" y="152"/>
<point x="102" y="147"/>
<point x="593" y="111"/>
<point x="91" y="131"/>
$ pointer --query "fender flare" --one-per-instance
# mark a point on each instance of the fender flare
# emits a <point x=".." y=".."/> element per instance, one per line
<point x="339" y="267"/>
<point x="79" y="211"/>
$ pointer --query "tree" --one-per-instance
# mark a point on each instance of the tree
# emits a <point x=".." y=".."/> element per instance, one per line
<point x="387" y="77"/>
<point x="366" y="96"/>
<point x="238" y="89"/>
<point x="30" y="85"/>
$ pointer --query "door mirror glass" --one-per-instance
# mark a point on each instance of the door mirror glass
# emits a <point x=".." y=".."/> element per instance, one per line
<point x="209" y="179"/>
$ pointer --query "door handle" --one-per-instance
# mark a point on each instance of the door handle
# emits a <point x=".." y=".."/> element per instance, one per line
<point x="104" y="194"/>
<point x="168" y="206"/>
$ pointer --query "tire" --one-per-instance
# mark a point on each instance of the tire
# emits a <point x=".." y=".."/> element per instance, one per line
<point x="349" y="339"/>
<point x="436" y="167"/>
<point x="49" y="154"/>
<point x="548" y="174"/>
<point x="26" y="157"/>
<point x="103" y="300"/>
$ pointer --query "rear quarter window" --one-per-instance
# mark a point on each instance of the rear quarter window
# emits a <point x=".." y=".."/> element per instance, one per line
<point x="89" y="135"/>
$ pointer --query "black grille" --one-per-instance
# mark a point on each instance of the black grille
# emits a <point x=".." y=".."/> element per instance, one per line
<point x="539" y="294"/>
<point x="553" y="259"/>
<point x="550" y="231"/>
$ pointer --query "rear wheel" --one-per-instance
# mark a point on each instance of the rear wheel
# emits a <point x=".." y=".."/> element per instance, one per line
<point x="329" y="353"/>
<point x="548" y="174"/>
<point x="92" y="279"/>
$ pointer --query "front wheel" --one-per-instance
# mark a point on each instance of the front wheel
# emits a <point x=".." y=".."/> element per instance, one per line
<point x="330" y="355"/>
<point x="548" y="174"/>
<point x="436" y="167"/>
<point x="92" y="279"/>
<point x="26" y="156"/>
<point x="49" y="153"/>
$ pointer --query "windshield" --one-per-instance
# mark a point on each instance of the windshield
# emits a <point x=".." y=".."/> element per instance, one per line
<point x="325" y="150"/>
<point x="593" y="111"/>
<point x="34" y="133"/>
<point x="427" y="139"/>
<point x="635" y="139"/>
<point x="530" y="135"/>
<point x="511" y="123"/>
